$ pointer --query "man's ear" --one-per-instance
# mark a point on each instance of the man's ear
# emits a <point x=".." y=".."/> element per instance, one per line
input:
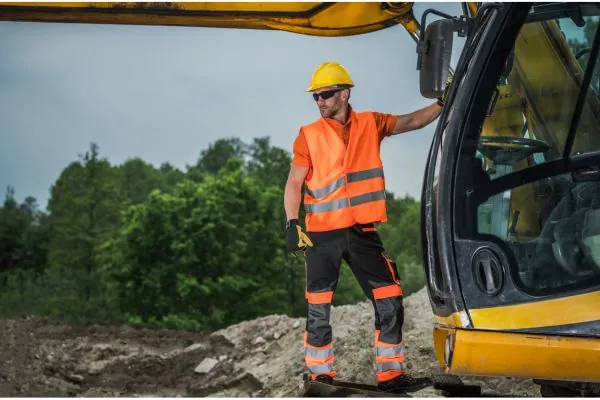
<point x="346" y="94"/>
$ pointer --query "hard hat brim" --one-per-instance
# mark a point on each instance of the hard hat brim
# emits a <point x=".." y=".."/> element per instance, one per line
<point x="312" y="88"/>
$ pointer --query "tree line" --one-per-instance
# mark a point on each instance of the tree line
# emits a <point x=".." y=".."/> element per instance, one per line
<point x="196" y="249"/>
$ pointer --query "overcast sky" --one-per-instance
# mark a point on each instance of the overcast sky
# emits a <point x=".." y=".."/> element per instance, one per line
<point x="164" y="93"/>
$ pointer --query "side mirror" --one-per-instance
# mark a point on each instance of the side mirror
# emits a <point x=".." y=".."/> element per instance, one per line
<point x="435" y="52"/>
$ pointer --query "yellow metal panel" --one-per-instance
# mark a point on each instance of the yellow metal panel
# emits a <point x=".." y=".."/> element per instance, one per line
<point x="472" y="6"/>
<point x="439" y="340"/>
<point x="457" y="320"/>
<point x="522" y="355"/>
<point x="319" y="19"/>
<point x="563" y="311"/>
<point x="555" y="312"/>
<point x="287" y="7"/>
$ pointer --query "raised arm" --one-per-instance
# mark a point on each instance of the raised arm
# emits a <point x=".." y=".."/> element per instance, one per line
<point x="417" y="119"/>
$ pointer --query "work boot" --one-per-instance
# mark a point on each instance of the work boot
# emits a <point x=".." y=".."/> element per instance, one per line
<point x="403" y="383"/>
<point x="325" y="379"/>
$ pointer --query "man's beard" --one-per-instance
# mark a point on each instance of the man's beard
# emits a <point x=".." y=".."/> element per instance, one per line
<point x="327" y="112"/>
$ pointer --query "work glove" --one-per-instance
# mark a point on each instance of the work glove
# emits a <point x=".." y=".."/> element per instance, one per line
<point x="442" y="99"/>
<point x="296" y="238"/>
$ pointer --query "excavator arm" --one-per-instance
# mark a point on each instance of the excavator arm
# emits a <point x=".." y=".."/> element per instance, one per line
<point x="317" y="19"/>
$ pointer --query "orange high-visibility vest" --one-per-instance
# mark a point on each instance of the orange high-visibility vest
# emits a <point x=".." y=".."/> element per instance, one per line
<point x="346" y="185"/>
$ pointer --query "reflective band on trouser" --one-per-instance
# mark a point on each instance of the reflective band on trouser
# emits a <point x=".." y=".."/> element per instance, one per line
<point x="338" y="183"/>
<point x="389" y="354"/>
<point x="344" y="203"/>
<point x="319" y="356"/>
<point x="389" y="359"/>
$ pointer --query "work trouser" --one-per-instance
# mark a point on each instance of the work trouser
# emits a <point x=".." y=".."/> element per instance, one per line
<point x="361" y="247"/>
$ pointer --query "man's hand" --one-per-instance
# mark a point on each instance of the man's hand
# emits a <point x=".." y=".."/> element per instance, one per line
<point x="296" y="238"/>
<point x="442" y="99"/>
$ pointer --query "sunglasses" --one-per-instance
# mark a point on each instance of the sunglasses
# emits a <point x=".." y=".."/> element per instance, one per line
<point x="326" y="94"/>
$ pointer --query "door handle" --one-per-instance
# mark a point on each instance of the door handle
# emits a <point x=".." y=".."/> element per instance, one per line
<point x="488" y="271"/>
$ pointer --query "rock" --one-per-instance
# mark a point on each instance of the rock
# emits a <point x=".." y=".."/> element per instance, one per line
<point x="75" y="378"/>
<point x="195" y="346"/>
<point x="274" y="348"/>
<point x="188" y="349"/>
<point x="226" y="380"/>
<point x="296" y="324"/>
<point x="276" y="335"/>
<point x="206" y="366"/>
<point x="220" y="339"/>
<point x="258" y="341"/>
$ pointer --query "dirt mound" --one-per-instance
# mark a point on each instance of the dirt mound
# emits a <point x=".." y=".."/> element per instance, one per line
<point x="262" y="357"/>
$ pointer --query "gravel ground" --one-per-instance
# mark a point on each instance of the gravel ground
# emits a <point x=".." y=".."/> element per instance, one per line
<point x="258" y="358"/>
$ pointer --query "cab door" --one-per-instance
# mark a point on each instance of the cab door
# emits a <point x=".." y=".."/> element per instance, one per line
<point x="512" y="210"/>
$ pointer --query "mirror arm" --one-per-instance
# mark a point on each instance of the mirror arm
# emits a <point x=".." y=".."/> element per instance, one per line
<point x="461" y="26"/>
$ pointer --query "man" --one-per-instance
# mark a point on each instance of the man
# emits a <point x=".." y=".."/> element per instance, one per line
<point x="338" y="159"/>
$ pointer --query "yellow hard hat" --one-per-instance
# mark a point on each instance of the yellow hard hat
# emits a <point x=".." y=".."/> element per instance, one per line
<point x="328" y="74"/>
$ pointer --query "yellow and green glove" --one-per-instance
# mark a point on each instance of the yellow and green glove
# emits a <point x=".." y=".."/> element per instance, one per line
<point x="442" y="99"/>
<point x="296" y="238"/>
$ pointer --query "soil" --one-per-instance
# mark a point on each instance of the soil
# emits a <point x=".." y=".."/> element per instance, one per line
<point x="258" y="358"/>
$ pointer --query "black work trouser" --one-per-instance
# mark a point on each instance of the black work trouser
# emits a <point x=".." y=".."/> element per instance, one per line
<point x="361" y="247"/>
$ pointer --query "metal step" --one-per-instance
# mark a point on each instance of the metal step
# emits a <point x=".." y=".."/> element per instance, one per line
<point x="453" y="386"/>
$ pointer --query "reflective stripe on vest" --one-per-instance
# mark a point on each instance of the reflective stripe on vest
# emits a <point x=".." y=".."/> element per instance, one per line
<point x="343" y="203"/>
<point x="339" y="183"/>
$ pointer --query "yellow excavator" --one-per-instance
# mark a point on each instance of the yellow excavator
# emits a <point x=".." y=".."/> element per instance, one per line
<point x="511" y="193"/>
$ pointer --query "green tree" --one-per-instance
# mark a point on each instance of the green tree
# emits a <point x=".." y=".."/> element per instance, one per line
<point x="170" y="176"/>
<point x="138" y="179"/>
<point x="201" y="249"/>
<point x="24" y="240"/>
<point x="267" y="163"/>
<point x="84" y="212"/>
<point x="23" y="235"/>
<point x="210" y="252"/>
<point x="216" y="156"/>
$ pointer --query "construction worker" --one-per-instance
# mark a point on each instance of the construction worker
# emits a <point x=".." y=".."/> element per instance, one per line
<point x="337" y="158"/>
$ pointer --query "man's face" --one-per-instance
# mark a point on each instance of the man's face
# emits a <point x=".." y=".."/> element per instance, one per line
<point x="330" y="100"/>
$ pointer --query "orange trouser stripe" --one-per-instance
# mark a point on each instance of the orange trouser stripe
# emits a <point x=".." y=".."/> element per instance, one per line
<point x="379" y="343"/>
<point x="387" y="375"/>
<point x="312" y="361"/>
<point x="306" y="344"/>
<point x="398" y="358"/>
<point x="389" y="264"/>
<point x="387" y="292"/>
<point x="331" y="374"/>
<point x="319" y="298"/>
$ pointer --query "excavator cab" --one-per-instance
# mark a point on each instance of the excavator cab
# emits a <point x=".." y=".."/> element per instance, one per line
<point x="511" y="196"/>
<point x="511" y="192"/>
